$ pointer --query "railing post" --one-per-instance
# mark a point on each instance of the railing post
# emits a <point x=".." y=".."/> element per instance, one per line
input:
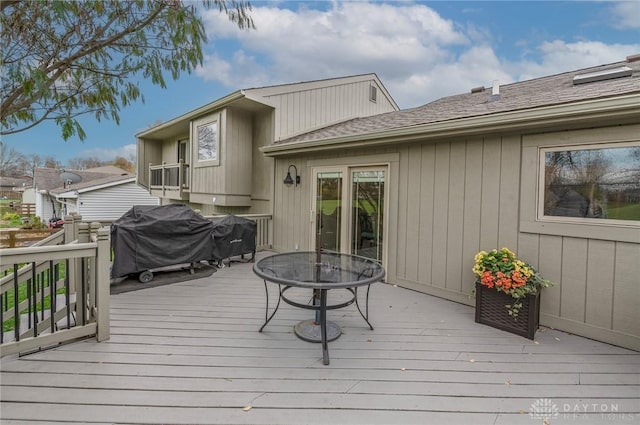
<point x="180" y="177"/>
<point x="163" y="179"/>
<point x="102" y="281"/>
<point x="69" y="236"/>
<point x="81" y="270"/>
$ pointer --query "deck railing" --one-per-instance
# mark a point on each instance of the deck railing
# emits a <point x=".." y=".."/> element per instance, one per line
<point x="51" y="294"/>
<point x="264" y="231"/>
<point x="169" y="177"/>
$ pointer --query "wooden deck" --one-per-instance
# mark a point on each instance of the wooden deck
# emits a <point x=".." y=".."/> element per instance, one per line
<point x="191" y="353"/>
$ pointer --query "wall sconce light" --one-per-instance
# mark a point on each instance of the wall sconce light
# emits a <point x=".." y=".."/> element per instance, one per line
<point x="288" y="180"/>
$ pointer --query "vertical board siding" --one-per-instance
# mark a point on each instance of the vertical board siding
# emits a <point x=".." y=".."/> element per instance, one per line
<point x="471" y="211"/>
<point x="509" y="192"/>
<point x="238" y="158"/>
<point x="233" y="175"/>
<point x="425" y="230"/>
<point x="626" y="291"/>
<point x="550" y="264"/>
<point x="462" y="202"/>
<point x="440" y="215"/>
<point x="574" y="276"/>
<point x="490" y="206"/>
<point x="413" y="216"/>
<point x="455" y="224"/>
<point x="456" y="198"/>
<point x="301" y="110"/>
<point x="401" y="225"/>
<point x="599" y="289"/>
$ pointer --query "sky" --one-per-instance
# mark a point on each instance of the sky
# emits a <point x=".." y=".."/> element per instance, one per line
<point x="421" y="51"/>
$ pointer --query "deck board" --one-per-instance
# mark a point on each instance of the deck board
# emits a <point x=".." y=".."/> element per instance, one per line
<point x="191" y="353"/>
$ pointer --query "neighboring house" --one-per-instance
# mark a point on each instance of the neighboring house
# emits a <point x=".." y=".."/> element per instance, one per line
<point x="12" y="188"/>
<point x="548" y="167"/>
<point x="100" y="194"/>
<point x="209" y="158"/>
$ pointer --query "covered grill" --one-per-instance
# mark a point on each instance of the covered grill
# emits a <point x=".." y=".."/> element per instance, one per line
<point x="150" y="237"/>
<point x="233" y="236"/>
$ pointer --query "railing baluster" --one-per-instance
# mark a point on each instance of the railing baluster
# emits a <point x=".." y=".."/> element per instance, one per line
<point x="42" y="282"/>
<point x="34" y="293"/>
<point x="2" y="318"/>
<point x="29" y="304"/>
<point x="67" y="292"/>
<point x="52" y="301"/>
<point x="16" y="307"/>
<point x="83" y="294"/>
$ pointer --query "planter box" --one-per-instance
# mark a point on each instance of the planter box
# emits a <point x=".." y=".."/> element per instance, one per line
<point x="491" y="311"/>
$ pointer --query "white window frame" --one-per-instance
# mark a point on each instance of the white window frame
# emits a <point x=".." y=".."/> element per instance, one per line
<point x="196" y="125"/>
<point x="566" y="219"/>
<point x="530" y="181"/>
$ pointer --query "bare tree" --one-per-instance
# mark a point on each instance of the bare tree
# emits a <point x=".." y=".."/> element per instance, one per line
<point x="10" y="160"/>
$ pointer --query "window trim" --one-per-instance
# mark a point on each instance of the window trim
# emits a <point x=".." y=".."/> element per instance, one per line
<point x="195" y="132"/>
<point x="540" y="216"/>
<point x="530" y="179"/>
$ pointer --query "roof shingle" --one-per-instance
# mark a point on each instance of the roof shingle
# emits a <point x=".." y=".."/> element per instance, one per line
<point x="539" y="92"/>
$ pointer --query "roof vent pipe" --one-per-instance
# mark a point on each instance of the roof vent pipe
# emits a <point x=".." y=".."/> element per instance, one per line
<point x="495" y="91"/>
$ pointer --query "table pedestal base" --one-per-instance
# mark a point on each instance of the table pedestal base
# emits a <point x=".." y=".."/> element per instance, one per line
<point x="309" y="330"/>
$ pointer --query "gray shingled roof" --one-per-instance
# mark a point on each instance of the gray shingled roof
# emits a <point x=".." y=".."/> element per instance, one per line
<point x="49" y="178"/>
<point x="539" y="92"/>
<point x="15" y="182"/>
<point x="92" y="183"/>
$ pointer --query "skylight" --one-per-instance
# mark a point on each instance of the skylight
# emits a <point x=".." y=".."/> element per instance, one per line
<point x="606" y="74"/>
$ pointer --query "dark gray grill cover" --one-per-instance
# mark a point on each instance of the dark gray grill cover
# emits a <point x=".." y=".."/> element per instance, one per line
<point x="233" y="236"/>
<point x="147" y="237"/>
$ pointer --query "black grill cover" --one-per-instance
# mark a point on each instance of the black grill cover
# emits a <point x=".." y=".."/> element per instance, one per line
<point x="233" y="236"/>
<point x="147" y="237"/>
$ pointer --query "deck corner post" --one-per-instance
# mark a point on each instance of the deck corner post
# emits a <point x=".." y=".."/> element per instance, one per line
<point x="102" y="279"/>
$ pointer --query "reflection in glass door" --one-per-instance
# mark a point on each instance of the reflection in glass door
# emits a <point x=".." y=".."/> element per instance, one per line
<point x="328" y="210"/>
<point x="367" y="213"/>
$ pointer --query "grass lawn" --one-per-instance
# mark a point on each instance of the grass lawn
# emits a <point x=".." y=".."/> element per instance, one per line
<point x="624" y="212"/>
<point x="8" y="298"/>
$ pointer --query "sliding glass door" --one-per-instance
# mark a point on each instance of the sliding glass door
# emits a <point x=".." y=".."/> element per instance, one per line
<point x="349" y="210"/>
<point x="328" y="210"/>
<point x="367" y="218"/>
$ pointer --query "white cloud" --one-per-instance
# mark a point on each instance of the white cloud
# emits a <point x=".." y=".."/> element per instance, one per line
<point x="627" y="14"/>
<point x="418" y="55"/>
<point x="558" y="56"/>
<point x="107" y="154"/>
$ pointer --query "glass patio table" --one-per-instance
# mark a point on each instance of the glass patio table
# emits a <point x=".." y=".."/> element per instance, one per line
<point x="320" y="271"/>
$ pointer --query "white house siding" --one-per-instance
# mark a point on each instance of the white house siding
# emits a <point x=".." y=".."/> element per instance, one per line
<point x="448" y="200"/>
<point x="29" y="196"/>
<point x="109" y="203"/>
<point x="44" y="209"/>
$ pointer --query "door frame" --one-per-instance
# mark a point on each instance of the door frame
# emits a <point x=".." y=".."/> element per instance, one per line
<point x="347" y="199"/>
<point x="392" y="161"/>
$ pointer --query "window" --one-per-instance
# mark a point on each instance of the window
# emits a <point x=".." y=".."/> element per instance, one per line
<point x="207" y="137"/>
<point x="599" y="183"/>
<point x="182" y="151"/>
<point x="598" y="164"/>
<point x="373" y="93"/>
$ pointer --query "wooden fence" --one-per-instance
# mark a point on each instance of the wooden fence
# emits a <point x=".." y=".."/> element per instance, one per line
<point x="16" y="238"/>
